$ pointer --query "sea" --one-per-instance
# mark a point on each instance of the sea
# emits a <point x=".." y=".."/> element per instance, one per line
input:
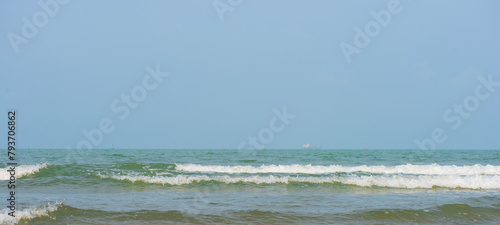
<point x="217" y="186"/>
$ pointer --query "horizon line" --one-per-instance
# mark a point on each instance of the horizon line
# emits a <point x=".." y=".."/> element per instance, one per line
<point x="313" y="149"/>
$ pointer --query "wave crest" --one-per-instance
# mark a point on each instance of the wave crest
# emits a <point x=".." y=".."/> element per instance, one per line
<point x="393" y="181"/>
<point x="432" y="169"/>
<point x="27" y="213"/>
<point x="22" y="170"/>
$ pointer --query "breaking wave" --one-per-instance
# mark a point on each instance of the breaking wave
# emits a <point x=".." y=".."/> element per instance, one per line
<point x="27" y="213"/>
<point x="22" y="170"/>
<point x="393" y="181"/>
<point x="432" y="169"/>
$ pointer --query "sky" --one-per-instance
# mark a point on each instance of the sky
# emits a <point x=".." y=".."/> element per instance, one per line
<point x="255" y="74"/>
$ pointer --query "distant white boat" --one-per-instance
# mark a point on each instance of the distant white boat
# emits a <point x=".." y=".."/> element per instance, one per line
<point x="306" y="145"/>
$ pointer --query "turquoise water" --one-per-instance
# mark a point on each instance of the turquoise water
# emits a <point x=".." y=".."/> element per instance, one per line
<point x="255" y="187"/>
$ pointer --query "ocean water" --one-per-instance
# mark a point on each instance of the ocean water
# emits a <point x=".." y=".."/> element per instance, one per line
<point x="254" y="187"/>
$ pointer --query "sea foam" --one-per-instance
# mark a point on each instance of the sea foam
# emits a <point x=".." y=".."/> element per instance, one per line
<point x="27" y="213"/>
<point x="394" y="181"/>
<point x="432" y="169"/>
<point x="22" y="170"/>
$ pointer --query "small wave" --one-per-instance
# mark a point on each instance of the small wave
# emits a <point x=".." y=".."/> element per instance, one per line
<point x="432" y="169"/>
<point x="393" y="181"/>
<point x="443" y="214"/>
<point x="27" y="213"/>
<point x="22" y="170"/>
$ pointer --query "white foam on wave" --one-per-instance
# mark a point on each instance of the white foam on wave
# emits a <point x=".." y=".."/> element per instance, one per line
<point x="22" y="170"/>
<point x="432" y="169"/>
<point x="425" y="181"/>
<point x="27" y="213"/>
<point x="394" y="181"/>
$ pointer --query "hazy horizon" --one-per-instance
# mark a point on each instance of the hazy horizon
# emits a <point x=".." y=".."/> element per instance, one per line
<point x="258" y="74"/>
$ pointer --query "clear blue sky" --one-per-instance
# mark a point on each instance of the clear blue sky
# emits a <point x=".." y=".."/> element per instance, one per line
<point x="226" y="76"/>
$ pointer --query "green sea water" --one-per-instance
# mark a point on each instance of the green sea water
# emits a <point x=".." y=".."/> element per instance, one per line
<point x="254" y="187"/>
